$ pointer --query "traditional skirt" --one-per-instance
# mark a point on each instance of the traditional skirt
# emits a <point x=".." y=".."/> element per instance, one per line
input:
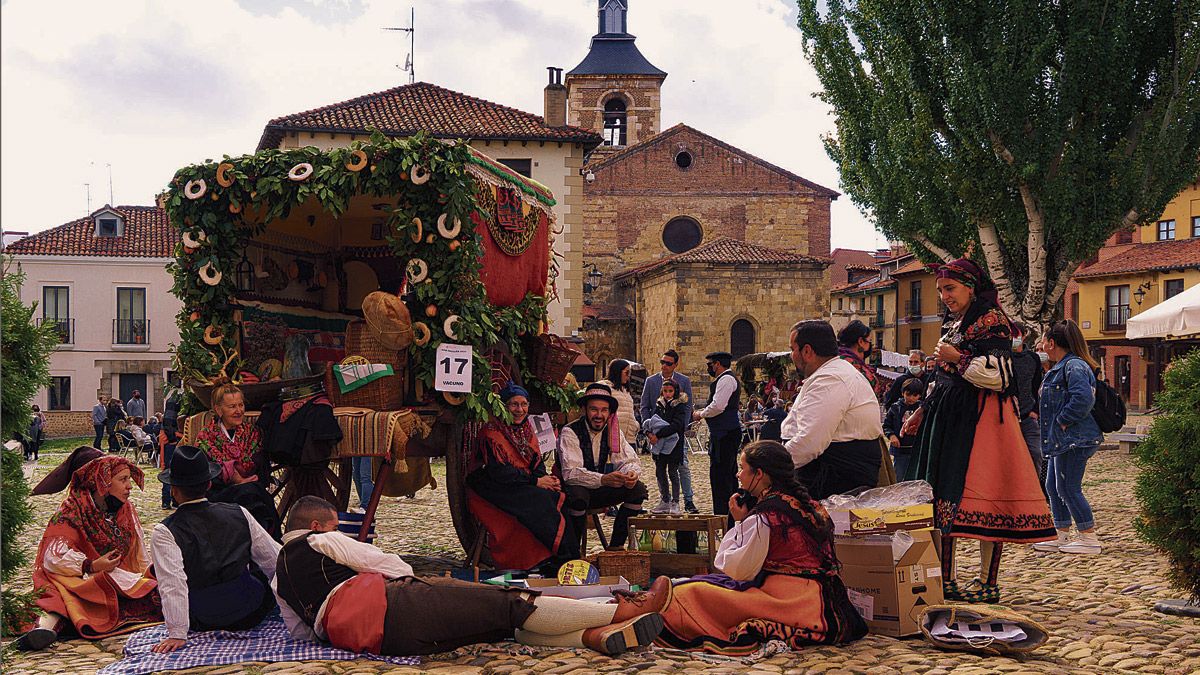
<point x="97" y="607"/>
<point x="717" y="614"/>
<point x="1001" y="500"/>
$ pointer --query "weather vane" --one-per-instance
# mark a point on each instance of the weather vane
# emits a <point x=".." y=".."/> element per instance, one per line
<point x="409" y="67"/>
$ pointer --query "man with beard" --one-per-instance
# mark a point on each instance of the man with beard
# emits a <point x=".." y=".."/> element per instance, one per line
<point x="833" y="428"/>
<point x="598" y="466"/>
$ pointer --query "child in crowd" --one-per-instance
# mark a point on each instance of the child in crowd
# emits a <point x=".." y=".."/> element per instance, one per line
<point x="665" y="432"/>
<point x="897" y="415"/>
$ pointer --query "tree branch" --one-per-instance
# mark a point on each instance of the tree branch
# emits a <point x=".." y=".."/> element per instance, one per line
<point x="990" y="242"/>
<point x="933" y="248"/>
<point x="1035" y="242"/>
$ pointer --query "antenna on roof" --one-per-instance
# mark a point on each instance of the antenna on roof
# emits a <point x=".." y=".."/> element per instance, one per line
<point x="409" y="67"/>
<point x="88" y="188"/>
<point x="111" y="201"/>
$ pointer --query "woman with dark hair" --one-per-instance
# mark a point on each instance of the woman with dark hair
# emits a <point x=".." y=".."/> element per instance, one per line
<point x="779" y="573"/>
<point x="970" y="446"/>
<point x="618" y="381"/>
<point x="1070" y="436"/>
<point x="91" y="564"/>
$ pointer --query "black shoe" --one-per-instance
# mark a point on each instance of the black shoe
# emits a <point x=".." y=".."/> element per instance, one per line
<point x="690" y="507"/>
<point x="36" y="640"/>
<point x="167" y="507"/>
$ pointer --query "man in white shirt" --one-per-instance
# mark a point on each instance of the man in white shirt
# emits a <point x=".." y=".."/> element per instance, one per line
<point x="724" y="429"/>
<point x="331" y="587"/>
<point x="599" y="468"/>
<point x="833" y="428"/>
<point x="213" y="561"/>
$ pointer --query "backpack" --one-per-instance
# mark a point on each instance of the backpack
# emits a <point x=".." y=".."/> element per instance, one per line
<point x="1109" y="410"/>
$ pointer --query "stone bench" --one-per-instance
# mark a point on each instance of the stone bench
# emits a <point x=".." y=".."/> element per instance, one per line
<point x="1126" y="441"/>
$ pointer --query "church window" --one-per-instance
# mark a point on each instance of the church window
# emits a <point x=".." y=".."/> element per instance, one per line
<point x="741" y="338"/>
<point x="682" y="234"/>
<point x="683" y="160"/>
<point x="614" y="122"/>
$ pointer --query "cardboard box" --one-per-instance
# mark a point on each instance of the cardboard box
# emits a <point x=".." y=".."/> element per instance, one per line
<point x="878" y="521"/>
<point x="890" y="594"/>
<point x="601" y="589"/>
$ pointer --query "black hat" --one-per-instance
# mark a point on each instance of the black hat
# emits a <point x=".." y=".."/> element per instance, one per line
<point x="598" y="391"/>
<point x="189" y="466"/>
<point x="58" y="479"/>
<point x="723" y="358"/>
<point x="852" y="333"/>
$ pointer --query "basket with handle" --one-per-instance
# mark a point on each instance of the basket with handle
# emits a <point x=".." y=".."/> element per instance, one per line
<point x="633" y="565"/>
<point x="550" y="357"/>
<point x="386" y="393"/>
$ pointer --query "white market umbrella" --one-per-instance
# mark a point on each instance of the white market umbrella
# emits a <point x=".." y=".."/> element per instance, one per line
<point x="1173" y="318"/>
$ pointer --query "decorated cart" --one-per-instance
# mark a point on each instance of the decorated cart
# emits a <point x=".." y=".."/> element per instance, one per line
<point x="407" y="278"/>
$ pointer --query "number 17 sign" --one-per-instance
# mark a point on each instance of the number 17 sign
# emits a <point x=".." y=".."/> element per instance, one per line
<point x="453" y="370"/>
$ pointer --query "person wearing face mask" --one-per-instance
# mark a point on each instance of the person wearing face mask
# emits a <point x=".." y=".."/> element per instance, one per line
<point x="916" y="368"/>
<point x="854" y="346"/>
<point x="724" y="428"/>
<point x="91" y="564"/>
<point x="1027" y="372"/>
<point x="777" y="576"/>
<point x="833" y="428"/>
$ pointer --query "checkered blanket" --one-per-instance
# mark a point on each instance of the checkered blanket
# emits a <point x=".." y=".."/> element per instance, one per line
<point x="270" y="642"/>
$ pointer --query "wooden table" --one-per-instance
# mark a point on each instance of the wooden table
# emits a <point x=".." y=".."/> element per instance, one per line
<point x="682" y="564"/>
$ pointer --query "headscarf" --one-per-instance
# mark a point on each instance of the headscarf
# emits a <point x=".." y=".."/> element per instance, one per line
<point x="79" y="509"/>
<point x="512" y="389"/>
<point x="970" y="275"/>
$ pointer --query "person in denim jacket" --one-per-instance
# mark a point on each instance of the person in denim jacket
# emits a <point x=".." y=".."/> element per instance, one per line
<point x="1069" y="436"/>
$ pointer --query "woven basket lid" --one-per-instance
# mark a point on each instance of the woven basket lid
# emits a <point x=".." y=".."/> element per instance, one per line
<point x="388" y="319"/>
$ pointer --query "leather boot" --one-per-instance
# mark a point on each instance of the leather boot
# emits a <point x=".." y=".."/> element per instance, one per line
<point x="656" y="599"/>
<point x="620" y="636"/>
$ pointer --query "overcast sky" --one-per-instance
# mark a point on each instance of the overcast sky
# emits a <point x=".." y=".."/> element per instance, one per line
<point x="151" y="86"/>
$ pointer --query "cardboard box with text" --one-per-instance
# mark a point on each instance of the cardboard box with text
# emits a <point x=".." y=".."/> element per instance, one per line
<point x="890" y="593"/>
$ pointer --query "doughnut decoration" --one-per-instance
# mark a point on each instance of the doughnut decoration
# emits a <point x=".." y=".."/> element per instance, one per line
<point x="419" y="175"/>
<point x="417" y="270"/>
<point x="418" y="232"/>
<point x="448" y="232"/>
<point x="421" y="334"/>
<point x="195" y="189"/>
<point x="448" y="326"/>
<point x="223" y="178"/>
<point x="453" y="398"/>
<point x="193" y="242"/>
<point x="213" y="335"/>
<point x="210" y="275"/>
<point x="300" y="172"/>
<point x="358" y="161"/>
<point x="235" y="209"/>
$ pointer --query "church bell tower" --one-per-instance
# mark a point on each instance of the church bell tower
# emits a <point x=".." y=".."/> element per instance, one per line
<point x="615" y="91"/>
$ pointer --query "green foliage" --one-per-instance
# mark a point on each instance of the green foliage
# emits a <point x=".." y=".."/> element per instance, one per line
<point x="965" y="125"/>
<point x="225" y="218"/>
<point x="24" y="362"/>
<point x="1168" y="487"/>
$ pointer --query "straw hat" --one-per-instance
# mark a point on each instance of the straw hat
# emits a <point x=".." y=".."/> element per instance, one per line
<point x="388" y="319"/>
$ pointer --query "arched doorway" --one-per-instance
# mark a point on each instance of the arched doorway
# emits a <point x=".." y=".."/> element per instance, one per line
<point x="741" y="338"/>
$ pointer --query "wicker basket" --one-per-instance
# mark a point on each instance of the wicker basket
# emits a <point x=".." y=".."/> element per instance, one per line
<point x="386" y="393"/>
<point x="633" y="565"/>
<point x="550" y="357"/>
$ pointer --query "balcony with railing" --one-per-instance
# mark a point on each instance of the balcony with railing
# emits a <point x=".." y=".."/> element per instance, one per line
<point x="912" y="309"/>
<point x="1114" y="317"/>
<point x="131" y="331"/>
<point x="877" y="320"/>
<point x="64" y="327"/>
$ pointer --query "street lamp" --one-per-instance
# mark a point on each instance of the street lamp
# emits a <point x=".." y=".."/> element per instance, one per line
<point x="590" y="283"/>
<point x="1140" y="293"/>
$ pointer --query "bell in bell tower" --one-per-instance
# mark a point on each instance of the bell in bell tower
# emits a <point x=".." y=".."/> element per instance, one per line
<point x="615" y="91"/>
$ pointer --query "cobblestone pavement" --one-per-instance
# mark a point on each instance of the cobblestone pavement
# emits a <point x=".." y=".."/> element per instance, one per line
<point x="1098" y="608"/>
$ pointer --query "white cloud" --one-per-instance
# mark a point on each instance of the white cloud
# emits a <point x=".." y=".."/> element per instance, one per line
<point x="151" y="86"/>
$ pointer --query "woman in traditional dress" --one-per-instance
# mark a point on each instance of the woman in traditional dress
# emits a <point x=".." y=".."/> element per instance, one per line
<point x="970" y="446"/>
<point x="779" y="577"/>
<point x="234" y="443"/>
<point x="92" y="561"/>
<point x="510" y="475"/>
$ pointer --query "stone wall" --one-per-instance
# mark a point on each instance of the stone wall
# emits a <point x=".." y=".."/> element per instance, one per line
<point x="68" y="424"/>
<point x="587" y="95"/>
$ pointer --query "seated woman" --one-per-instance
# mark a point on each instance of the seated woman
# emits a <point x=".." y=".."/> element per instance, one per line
<point x="91" y="564"/>
<point x="780" y="579"/>
<point x="516" y="500"/>
<point x="234" y="443"/>
<point x="144" y="440"/>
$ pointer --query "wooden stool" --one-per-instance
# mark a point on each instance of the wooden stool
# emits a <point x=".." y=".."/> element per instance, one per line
<point x="594" y="514"/>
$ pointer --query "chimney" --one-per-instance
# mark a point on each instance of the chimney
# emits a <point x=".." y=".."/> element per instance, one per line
<point x="555" y="114"/>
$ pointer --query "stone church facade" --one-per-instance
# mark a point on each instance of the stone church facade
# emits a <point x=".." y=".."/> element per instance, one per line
<point x="689" y="243"/>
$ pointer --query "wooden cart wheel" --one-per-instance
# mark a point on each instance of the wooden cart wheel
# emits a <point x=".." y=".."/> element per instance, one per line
<point x="332" y="479"/>
<point x="465" y="525"/>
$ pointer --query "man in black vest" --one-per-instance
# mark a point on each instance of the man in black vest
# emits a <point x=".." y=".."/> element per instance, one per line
<point x="724" y="429"/>
<point x="360" y="599"/>
<point x="213" y="561"/>
<point x="598" y="467"/>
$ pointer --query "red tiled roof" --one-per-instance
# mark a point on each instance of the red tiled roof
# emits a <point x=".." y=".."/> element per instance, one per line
<point x="607" y="312"/>
<point x="844" y="257"/>
<point x="403" y="111"/>
<point x="147" y="234"/>
<point x="910" y="267"/>
<point x="863" y="268"/>
<point x="727" y="251"/>
<point x="1159" y="255"/>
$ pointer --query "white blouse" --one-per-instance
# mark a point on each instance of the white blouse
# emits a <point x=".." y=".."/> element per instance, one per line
<point x="744" y="548"/>
<point x="65" y="561"/>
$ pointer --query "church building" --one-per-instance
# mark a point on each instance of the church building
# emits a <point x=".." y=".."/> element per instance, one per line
<point x="689" y="243"/>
